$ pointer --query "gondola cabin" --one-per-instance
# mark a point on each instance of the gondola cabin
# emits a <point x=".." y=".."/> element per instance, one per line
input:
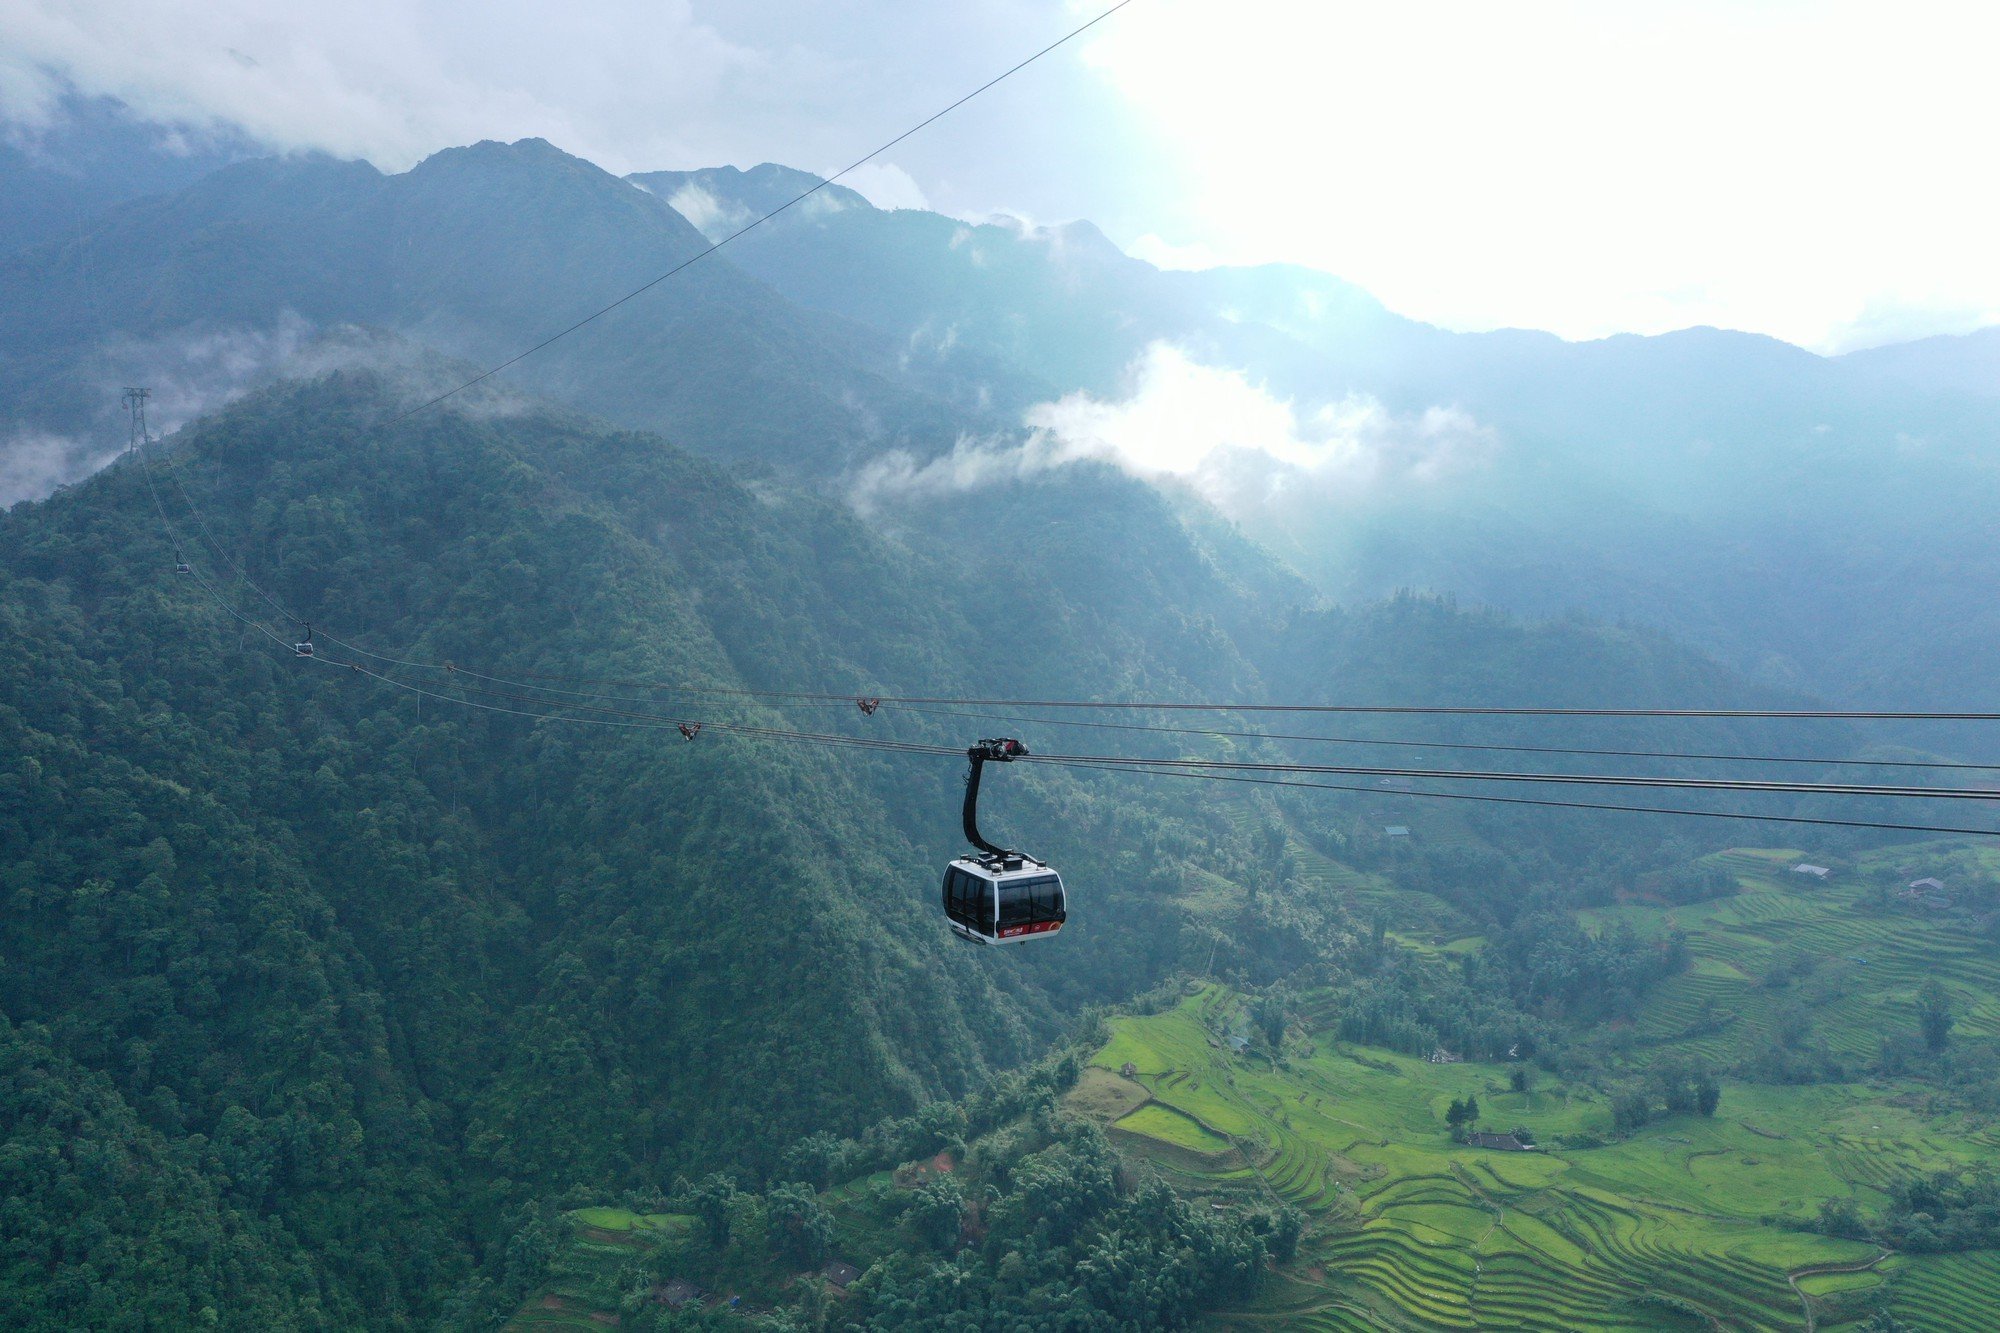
<point x="1003" y="899"/>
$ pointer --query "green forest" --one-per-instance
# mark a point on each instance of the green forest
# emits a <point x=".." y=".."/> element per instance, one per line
<point x="335" y="999"/>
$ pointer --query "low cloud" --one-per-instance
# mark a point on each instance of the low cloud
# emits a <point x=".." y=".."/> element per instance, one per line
<point x="33" y="463"/>
<point x="712" y="217"/>
<point x="190" y="374"/>
<point x="971" y="465"/>
<point x="1164" y="254"/>
<point x="1211" y="427"/>
<point x="198" y="372"/>
<point x="194" y="373"/>
<point x="886" y="185"/>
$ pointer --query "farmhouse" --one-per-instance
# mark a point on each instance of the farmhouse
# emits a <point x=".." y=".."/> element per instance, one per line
<point x="679" y="1293"/>
<point x="1807" y="868"/>
<point x="1129" y="1070"/>
<point x="1497" y="1142"/>
<point x="1397" y="830"/>
<point x="839" y="1274"/>
<point x="1926" y="885"/>
<point x="1441" y="1056"/>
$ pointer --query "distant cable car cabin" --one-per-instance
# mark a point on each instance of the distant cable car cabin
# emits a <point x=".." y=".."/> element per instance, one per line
<point x="304" y="647"/>
<point x="997" y="896"/>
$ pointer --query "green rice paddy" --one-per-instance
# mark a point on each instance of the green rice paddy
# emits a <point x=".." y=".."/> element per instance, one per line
<point x="1684" y="1225"/>
<point x="1866" y="965"/>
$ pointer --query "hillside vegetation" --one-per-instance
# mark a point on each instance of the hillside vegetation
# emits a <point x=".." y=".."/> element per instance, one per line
<point x="373" y="963"/>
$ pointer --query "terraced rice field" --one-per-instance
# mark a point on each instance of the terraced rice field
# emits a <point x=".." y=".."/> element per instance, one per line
<point x="1947" y="1291"/>
<point x="1867" y="965"/>
<point x="1672" y="1228"/>
<point x="583" y="1286"/>
<point x="1408" y="908"/>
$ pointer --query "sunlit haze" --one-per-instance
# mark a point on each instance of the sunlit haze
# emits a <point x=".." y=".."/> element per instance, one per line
<point x="1817" y="171"/>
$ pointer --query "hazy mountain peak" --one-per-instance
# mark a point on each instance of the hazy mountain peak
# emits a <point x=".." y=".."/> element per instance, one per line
<point x="491" y="155"/>
<point x="718" y="200"/>
<point x="1947" y="363"/>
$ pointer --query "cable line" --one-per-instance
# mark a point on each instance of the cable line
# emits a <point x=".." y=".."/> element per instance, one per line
<point x="1073" y="762"/>
<point x="1464" y="745"/>
<point x="1198" y="769"/>
<point x="826" y="699"/>
<point x="1580" y="779"/>
<point x="911" y="702"/>
<point x="1547" y="804"/>
<point x="656" y="722"/>
<point x="1567" y="779"/>
<point x="1750" y="785"/>
<point x="1451" y="710"/>
<point x="234" y="567"/>
<point x="760" y="221"/>
<point x="595" y="704"/>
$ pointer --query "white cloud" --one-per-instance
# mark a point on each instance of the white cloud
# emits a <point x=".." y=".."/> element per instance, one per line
<point x="970" y="465"/>
<point x="1162" y="253"/>
<point x="199" y="371"/>
<point x="711" y="217"/>
<point x="1210" y="427"/>
<point x="1199" y="422"/>
<point x="885" y="185"/>
<point x="1814" y="169"/>
<point x="634" y="84"/>
<point x="192" y="374"/>
<point x="34" y="462"/>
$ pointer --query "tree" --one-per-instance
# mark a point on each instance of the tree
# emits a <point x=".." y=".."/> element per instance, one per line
<point x="1271" y="1018"/>
<point x="1471" y="1110"/>
<point x="1934" y="1016"/>
<point x="1291" y="1224"/>
<point x="1839" y="1217"/>
<point x="1708" y="1094"/>
<point x="937" y="1213"/>
<point x="1455" y="1114"/>
<point x="713" y="1201"/>
<point x="1630" y="1110"/>
<point x="812" y="1159"/>
<point x="801" y="1229"/>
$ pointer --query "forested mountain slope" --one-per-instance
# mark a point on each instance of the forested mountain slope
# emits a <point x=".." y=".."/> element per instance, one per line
<point x="379" y="969"/>
<point x="476" y="251"/>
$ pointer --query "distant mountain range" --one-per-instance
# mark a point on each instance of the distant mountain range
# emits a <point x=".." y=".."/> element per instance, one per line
<point x="1813" y="520"/>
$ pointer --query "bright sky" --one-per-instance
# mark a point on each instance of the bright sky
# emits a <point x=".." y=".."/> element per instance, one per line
<point x="1821" y="170"/>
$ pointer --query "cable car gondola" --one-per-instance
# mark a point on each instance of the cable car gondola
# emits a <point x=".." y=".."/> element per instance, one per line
<point x="997" y="896"/>
<point x="304" y="647"/>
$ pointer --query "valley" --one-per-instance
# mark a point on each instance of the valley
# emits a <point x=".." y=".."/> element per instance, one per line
<point x="470" y="842"/>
